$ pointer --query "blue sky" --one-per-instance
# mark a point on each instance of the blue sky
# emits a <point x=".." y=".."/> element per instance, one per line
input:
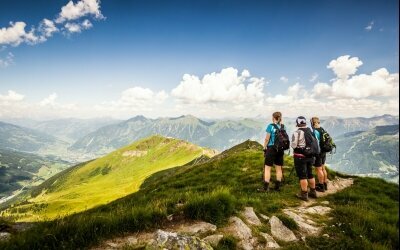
<point x="152" y="44"/>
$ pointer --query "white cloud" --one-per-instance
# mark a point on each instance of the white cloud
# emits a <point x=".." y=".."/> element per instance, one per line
<point x="47" y="28"/>
<point x="7" y="61"/>
<point x="226" y="86"/>
<point x="73" y="27"/>
<point x="50" y="100"/>
<point x="370" y="26"/>
<point x="284" y="79"/>
<point x="344" y="66"/>
<point x="314" y="77"/>
<point x="378" y="83"/>
<point x="11" y="96"/>
<point x="15" y="34"/>
<point x="82" y="8"/>
<point x="78" y="27"/>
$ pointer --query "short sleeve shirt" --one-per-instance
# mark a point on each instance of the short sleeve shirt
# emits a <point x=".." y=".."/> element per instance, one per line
<point x="317" y="135"/>
<point x="271" y="130"/>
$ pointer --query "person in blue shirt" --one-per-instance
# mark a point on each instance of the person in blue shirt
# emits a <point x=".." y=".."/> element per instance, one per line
<point x="271" y="155"/>
<point x="319" y="163"/>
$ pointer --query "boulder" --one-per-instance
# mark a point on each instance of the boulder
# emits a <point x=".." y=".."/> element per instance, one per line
<point x="214" y="239"/>
<point x="197" y="228"/>
<point x="241" y="231"/>
<point x="321" y="210"/>
<point x="271" y="243"/>
<point x="304" y="224"/>
<point x="251" y="217"/>
<point x="280" y="231"/>
<point x="171" y="240"/>
<point x="264" y="217"/>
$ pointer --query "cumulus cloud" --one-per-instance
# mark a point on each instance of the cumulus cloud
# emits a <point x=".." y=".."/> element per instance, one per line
<point x="11" y="96"/>
<point x="73" y="11"/>
<point x="370" y="26"/>
<point x="15" y="34"/>
<point x="379" y="83"/>
<point x="284" y="79"/>
<point x="226" y="86"/>
<point x="7" y="61"/>
<point x="47" y="28"/>
<point x="68" y="20"/>
<point x="344" y="66"/>
<point x="50" y="100"/>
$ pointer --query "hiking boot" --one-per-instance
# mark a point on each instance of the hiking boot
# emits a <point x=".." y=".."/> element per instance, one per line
<point x="265" y="188"/>
<point x="312" y="193"/>
<point x="320" y="187"/>
<point x="325" y="186"/>
<point x="303" y="195"/>
<point x="277" y="186"/>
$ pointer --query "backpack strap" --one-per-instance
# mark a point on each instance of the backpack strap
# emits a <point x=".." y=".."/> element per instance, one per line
<point x="276" y="126"/>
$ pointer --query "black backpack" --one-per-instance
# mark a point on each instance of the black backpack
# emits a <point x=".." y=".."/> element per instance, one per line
<point x="312" y="147"/>
<point x="326" y="141"/>
<point x="282" y="141"/>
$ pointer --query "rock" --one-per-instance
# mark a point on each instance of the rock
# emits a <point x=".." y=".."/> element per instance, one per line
<point x="264" y="217"/>
<point x="132" y="240"/>
<point x="304" y="227"/>
<point x="214" y="239"/>
<point x="326" y="235"/>
<point x="170" y="240"/>
<point x="325" y="202"/>
<point x="251" y="217"/>
<point x="321" y="210"/>
<point x="240" y="230"/>
<point x="4" y="236"/>
<point x="170" y="217"/>
<point x="112" y="245"/>
<point x="280" y="231"/>
<point x="197" y="228"/>
<point x="271" y="243"/>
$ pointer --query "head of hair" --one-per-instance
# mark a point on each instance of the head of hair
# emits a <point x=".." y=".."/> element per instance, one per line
<point x="277" y="116"/>
<point x="314" y="120"/>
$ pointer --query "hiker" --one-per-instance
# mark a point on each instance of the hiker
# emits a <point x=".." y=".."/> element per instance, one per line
<point x="305" y="147"/>
<point x="276" y="141"/>
<point x="326" y="145"/>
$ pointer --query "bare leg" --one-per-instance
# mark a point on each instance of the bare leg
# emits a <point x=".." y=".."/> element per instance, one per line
<point x="325" y="173"/>
<point x="312" y="183"/>
<point x="267" y="173"/>
<point x="320" y="174"/>
<point x="278" y="170"/>
<point x="304" y="185"/>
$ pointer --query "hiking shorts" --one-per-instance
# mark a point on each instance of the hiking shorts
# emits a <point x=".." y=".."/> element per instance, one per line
<point x="303" y="167"/>
<point x="273" y="157"/>
<point x="320" y="160"/>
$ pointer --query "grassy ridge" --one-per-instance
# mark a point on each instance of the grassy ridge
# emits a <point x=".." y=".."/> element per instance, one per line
<point x="106" y="179"/>
<point x="213" y="190"/>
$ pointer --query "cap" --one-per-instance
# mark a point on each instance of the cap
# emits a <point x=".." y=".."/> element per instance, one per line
<point x="301" y="120"/>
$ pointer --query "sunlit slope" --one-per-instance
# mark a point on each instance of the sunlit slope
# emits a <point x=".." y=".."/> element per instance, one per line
<point x="108" y="178"/>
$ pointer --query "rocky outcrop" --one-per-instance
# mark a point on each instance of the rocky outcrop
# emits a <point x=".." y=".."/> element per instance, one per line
<point x="214" y="239"/>
<point x="271" y="243"/>
<point x="199" y="227"/>
<point x="280" y="231"/>
<point x="251" y="217"/>
<point x="169" y="240"/>
<point x="242" y="232"/>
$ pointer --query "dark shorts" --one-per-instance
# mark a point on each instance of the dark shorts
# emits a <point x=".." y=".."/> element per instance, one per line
<point x="304" y="167"/>
<point x="273" y="157"/>
<point x="320" y="160"/>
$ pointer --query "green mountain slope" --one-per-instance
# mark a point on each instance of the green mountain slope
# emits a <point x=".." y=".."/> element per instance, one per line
<point x="20" y="170"/>
<point x="371" y="153"/>
<point x="29" y="140"/>
<point x="215" y="134"/>
<point x="106" y="179"/>
<point x="217" y="188"/>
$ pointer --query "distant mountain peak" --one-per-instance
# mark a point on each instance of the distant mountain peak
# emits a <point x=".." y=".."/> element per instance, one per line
<point x="138" y="118"/>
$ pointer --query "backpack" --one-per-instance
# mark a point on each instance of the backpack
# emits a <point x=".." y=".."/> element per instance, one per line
<point x="326" y="141"/>
<point x="282" y="141"/>
<point x="312" y="146"/>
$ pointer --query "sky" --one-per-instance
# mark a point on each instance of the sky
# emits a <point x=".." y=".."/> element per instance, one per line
<point x="211" y="59"/>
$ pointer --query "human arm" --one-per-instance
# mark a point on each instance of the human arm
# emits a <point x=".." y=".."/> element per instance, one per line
<point x="295" y="140"/>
